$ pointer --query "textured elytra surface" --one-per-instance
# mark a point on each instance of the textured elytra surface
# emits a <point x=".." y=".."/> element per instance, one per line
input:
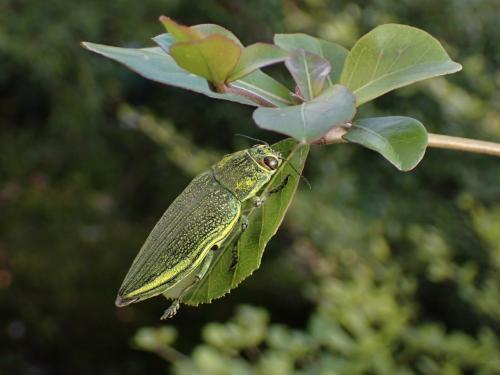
<point x="199" y="217"/>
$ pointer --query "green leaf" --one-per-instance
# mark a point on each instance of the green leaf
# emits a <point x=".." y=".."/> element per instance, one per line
<point x="257" y="56"/>
<point x="164" y="41"/>
<point x="401" y="140"/>
<point x="179" y="32"/>
<point x="182" y="33"/>
<point x="263" y="86"/>
<point x="309" y="71"/>
<point x="334" y="53"/>
<point x="263" y="225"/>
<point x="210" y="28"/>
<point x="391" y="56"/>
<point x="155" y="64"/>
<point x="309" y="121"/>
<point x="212" y="57"/>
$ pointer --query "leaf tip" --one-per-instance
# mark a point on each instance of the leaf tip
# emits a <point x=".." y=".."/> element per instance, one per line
<point x="458" y="67"/>
<point x="167" y="22"/>
<point x="164" y="19"/>
<point x="89" y="46"/>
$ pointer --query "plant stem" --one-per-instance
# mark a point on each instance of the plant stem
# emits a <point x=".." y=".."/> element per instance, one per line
<point x="435" y="140"/>
<point x="464" y="144"/>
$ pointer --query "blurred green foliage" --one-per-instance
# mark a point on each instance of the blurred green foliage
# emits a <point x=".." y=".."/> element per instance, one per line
<point x="373" y="271"/>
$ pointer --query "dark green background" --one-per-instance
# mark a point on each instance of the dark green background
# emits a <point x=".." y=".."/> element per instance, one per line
<point x="80" y="189"/>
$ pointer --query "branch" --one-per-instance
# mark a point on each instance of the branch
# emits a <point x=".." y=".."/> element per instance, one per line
<point x="464" y="144"/>
<point x="435" y="140"/>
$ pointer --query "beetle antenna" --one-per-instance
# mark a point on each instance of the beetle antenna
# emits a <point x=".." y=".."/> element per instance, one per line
<point x="253" y="139"/>
<point x="297" y="172"/>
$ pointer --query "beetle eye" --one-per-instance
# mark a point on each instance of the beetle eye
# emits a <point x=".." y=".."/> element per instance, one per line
<point x="271" y="162"/>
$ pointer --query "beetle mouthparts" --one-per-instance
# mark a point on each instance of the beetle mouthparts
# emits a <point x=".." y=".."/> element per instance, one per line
<point x="120" y="301"/>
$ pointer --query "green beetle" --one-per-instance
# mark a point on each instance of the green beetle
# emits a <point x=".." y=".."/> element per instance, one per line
<point x="199" y="220"/>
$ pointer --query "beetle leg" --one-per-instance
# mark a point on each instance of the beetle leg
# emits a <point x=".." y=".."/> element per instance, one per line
<point x="203" y="269"/>
<point x="234" y="249"/>
<point x="259" y="201"/>
<point x="280" y="187"/>
<point x="176" y="304"/>
<point x="234" y="256"/>
<point x="172" y="310"/>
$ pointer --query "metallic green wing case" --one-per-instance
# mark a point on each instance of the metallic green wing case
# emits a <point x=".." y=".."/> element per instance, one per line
<point x="202" y="216"/>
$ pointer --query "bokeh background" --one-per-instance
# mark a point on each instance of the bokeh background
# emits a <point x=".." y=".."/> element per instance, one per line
<point x="374" y="271"/>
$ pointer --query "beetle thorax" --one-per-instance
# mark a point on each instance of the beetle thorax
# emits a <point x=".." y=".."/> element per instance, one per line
<point x="241" y="174"/>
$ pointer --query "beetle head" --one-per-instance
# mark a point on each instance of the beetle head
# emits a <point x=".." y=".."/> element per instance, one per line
<point x="266" y="157"/>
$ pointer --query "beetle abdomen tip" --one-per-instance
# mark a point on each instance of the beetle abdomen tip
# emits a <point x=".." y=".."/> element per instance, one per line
<point x="120" y="301"/>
